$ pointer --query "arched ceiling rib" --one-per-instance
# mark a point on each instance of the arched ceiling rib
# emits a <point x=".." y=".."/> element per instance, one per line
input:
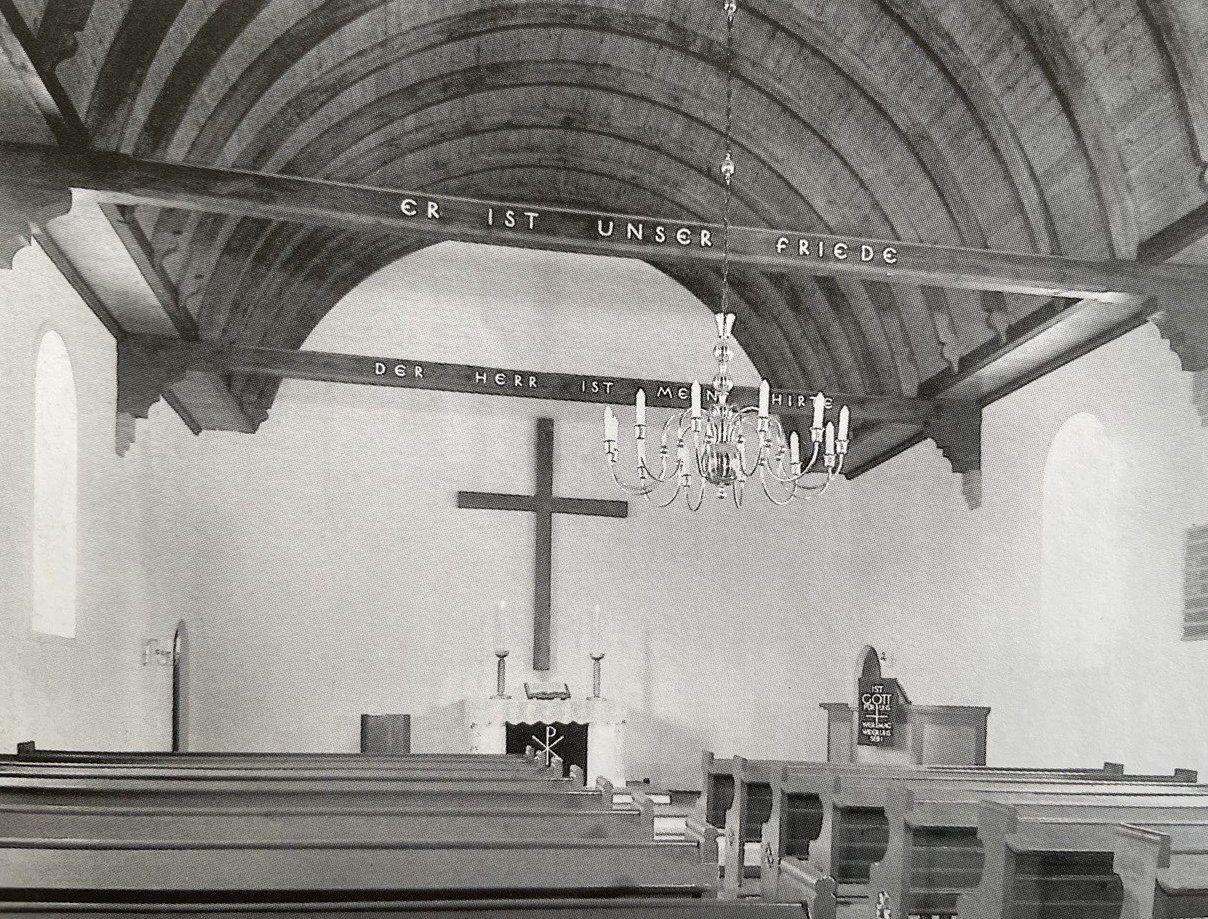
<point x="1056" y="126"/>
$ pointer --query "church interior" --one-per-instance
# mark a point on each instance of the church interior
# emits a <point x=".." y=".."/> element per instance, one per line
<point x="600" y="458"/>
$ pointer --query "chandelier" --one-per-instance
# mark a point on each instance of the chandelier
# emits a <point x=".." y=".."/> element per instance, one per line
<point x="723" y="445"/>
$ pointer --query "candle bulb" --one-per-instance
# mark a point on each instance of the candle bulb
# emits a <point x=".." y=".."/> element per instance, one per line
<point x="819" y="401"/>
<point x="639" y="405"/>
<point x="844" y="419"/>
<point x="695" y="398"/>
<point x="765" y="397"/>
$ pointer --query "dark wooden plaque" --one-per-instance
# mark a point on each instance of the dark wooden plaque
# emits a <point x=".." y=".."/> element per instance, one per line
<point x="877" y="711"/>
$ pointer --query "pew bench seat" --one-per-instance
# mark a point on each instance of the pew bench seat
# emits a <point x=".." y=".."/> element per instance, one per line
<point x="332" y="825"/>
<point x="555" y="908"/>
<point x="184" y="870"/>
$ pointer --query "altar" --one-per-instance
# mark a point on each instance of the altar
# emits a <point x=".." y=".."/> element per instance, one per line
<point x="481" y="726"/>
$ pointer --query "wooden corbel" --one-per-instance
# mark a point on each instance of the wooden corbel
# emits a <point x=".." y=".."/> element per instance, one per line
<point x="956" y="430"/>
<point x="1186" y="329"/>
<point x="146" y="368"/>
<point x="24" y="211"/>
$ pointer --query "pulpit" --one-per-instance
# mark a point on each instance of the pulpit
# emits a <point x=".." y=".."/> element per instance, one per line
<point x="949" y="735"/>
<point x="884" y="726"/>
<point x="485" y="725"/>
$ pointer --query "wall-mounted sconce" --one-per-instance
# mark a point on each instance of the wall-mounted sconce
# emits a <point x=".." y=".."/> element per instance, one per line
<point x="153" y="653"/>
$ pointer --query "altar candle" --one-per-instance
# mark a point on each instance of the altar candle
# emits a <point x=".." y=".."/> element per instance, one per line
<point x="696" y="398"/>
<point x="596" y="635"/>
<point x="639" y="405"/>
<point x="497" y="626"/>
<point x="765" y="395"/>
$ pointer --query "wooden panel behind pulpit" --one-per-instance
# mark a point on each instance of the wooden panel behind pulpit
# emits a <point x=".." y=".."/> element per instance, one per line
<point x="385" y="733"/>
<point x="932" y="735"/>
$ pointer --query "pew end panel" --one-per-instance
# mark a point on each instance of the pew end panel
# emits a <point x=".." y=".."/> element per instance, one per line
<point x="798" y="882"/>
<point x="1140" y="853"/>
<point x="885" y="877"/>
<point x="795" y="826"/>
<point x="996" y="822"/>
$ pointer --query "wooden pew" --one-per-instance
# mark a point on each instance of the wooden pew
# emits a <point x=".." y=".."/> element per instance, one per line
<point x="832" y="827"/>
<point x="276" y="824"/>
<point x="1092" y="858"/>
<point x="508" y="762"/>
<point x="944" y="842"/>
<point x="752" y="803"/>
<point x="737" y="799"/>
<point x="435" y="795"/>
<point x="558" y="908"/>
<point x="441" y="869"/>
<point x="277" y="773"/>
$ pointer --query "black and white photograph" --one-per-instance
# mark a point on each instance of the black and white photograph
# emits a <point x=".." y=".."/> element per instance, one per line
<point x="603" y="459"/>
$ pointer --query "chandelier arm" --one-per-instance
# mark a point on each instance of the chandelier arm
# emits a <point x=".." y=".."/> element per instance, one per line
<point x="647" y="489"/>
<point x="679" y="487"/>
<point x="778" y="502"/>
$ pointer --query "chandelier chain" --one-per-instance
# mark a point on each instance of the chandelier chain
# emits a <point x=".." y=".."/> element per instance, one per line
<point x="728" y="167"/>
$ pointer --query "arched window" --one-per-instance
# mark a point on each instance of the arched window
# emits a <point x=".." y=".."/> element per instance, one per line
<point x="1080" y="542"/>
<point x="55" y="473"/>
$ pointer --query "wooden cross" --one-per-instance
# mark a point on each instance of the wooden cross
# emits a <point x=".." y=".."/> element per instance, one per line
<point x="544" y="504"/>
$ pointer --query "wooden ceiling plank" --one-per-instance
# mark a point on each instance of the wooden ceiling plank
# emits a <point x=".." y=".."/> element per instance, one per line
<point x="116" y="178"/>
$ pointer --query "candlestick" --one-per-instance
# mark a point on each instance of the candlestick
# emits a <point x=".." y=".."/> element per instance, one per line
<point x="596" y="659"/>
<point x="501" y="675"/>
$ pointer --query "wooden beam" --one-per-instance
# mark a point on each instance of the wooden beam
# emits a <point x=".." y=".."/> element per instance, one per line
<point x="120" y="179"/>
<point x="181" y="356"/>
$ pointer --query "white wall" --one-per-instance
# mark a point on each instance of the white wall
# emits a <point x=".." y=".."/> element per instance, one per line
<point x="1073" y="619"/>
<point x="85" y="691"/>
<point x="326" y="571"/>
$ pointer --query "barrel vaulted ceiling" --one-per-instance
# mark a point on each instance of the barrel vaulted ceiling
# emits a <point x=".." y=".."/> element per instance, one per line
<point x="1075" y="127"/>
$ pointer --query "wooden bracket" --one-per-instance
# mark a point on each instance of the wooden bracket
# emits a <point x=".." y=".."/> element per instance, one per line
<point x="1186" y="329"/>
<point x="146" y="368"/>
<point x="25" y="210"/>
<point x="60" y="25"/>
<point x="956" y="430"/>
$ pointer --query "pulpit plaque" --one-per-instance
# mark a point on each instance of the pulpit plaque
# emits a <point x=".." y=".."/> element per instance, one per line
<point x="878" y="709"/>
